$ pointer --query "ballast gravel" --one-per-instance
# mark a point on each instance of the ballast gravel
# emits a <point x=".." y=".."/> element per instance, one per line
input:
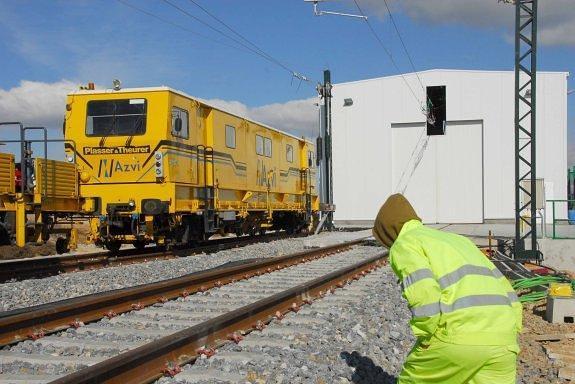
<point x="358" y="334"/>
<point x="40" y="291"/>
<point x="73" y="349"/>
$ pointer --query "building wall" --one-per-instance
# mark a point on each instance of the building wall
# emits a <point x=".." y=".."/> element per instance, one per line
<point x="371" y="144"/>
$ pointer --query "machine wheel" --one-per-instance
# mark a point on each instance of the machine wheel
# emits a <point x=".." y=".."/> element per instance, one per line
<point x="262" y="231"/>
<point x="139" y="245"/>
<point x="62" y="245"/>
<point x="113" y="246"/>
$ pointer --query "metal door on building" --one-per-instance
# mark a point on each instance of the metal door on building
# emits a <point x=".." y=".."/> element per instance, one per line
<point x="441" y="175"/>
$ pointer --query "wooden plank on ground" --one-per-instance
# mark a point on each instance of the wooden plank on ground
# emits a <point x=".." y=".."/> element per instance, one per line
<point x="564" y="349"/>
<point x="553" y="336"/>
<point x="569" y="359"/>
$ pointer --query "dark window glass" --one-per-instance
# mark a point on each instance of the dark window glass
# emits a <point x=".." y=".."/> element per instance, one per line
<point x="116" y="117"/>
<point x="436" y="110"/>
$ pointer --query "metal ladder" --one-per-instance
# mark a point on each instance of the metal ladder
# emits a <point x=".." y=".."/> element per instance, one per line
<point x="209" y="192"/>
<point x="305" y="179"/>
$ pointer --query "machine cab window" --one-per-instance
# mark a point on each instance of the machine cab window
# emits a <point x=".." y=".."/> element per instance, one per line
<point x="259" y="145"/>
<point x="230" y="136"/>
<point x="180" y="123"/>
<point x="267" y="147"/>
<point x="126" y="117"/>
<point x="289" y="153"/>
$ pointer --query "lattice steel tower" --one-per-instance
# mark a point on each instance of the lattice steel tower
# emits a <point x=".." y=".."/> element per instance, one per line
<point x="525" y="129"/>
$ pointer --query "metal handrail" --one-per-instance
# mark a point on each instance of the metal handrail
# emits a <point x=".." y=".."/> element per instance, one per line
<point x="554" y="219"/>
<point x="45" y="142"/>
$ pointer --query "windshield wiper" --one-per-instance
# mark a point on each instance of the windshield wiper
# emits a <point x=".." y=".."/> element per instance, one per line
<point x="111" y="129"/>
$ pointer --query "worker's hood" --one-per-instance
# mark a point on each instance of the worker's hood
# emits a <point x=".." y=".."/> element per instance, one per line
<point x="393" y="214"/>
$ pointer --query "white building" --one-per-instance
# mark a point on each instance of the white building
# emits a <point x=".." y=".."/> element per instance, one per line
<point x="464" y="176"/>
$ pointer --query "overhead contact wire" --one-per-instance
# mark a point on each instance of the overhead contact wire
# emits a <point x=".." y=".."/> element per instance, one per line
<point x="403" y="44"/>
<point x="374" y="33"/>
<point x="229" y="28"/>
<point x="169" y="22"/>
<point x="255" y="50"/>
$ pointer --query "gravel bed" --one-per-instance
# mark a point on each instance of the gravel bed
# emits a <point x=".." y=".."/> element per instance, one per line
<point x="68" y="351"/>
<point x="364" y="339"/>
<point x="40" y="291"/>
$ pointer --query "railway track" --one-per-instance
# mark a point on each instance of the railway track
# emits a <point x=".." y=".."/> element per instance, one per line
<point x="313" y="345"/>
<point x="167" y="324"/>
<point x="38" y="267"/>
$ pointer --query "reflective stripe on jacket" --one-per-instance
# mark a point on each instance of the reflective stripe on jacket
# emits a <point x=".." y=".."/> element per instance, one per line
<point x="454" y="292"/>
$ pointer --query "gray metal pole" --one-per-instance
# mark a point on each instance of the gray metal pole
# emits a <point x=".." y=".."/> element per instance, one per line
<point x="327" y="169"/>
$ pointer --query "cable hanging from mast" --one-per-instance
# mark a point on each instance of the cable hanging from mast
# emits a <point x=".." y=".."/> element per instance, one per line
<point x="423" y="140"/>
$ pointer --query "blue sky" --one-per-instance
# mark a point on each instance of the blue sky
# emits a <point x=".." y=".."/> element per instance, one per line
<point x="54" y="45"/>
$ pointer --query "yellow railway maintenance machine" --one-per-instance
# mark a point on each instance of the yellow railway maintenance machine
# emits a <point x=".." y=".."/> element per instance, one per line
<point x="168" y="168"/>
<point x="39" y="197"/>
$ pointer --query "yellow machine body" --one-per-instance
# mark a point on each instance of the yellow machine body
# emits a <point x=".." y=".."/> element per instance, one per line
<point x="52" y="197"/>
<point x="165" y="167"/>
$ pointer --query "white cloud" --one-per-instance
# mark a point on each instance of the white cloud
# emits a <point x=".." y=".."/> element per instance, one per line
<point x="36" y="103"/>
<point x="298" y="117"/>
<point x="556" y="17"/>
<point x="39" y="103"/>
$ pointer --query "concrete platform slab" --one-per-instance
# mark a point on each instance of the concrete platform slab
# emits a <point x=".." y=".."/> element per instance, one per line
<point x="560" y="310"/>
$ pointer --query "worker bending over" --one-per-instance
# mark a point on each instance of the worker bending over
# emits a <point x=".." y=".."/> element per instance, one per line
<point x="466" y="316"/>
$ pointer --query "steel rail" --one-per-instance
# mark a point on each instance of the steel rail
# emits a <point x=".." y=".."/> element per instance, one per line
<point x="34" y="322"/>
<point x="166" y="355"/>
<point x="37" y="267"/>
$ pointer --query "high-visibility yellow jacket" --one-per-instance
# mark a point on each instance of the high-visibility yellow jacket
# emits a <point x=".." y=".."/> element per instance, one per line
<point x="454" y="292"/>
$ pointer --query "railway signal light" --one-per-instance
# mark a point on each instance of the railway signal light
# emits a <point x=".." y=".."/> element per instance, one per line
<point x="436" y="110"/>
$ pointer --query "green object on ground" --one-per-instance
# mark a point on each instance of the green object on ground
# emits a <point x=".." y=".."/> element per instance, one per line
<point x="538" y="281"/>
